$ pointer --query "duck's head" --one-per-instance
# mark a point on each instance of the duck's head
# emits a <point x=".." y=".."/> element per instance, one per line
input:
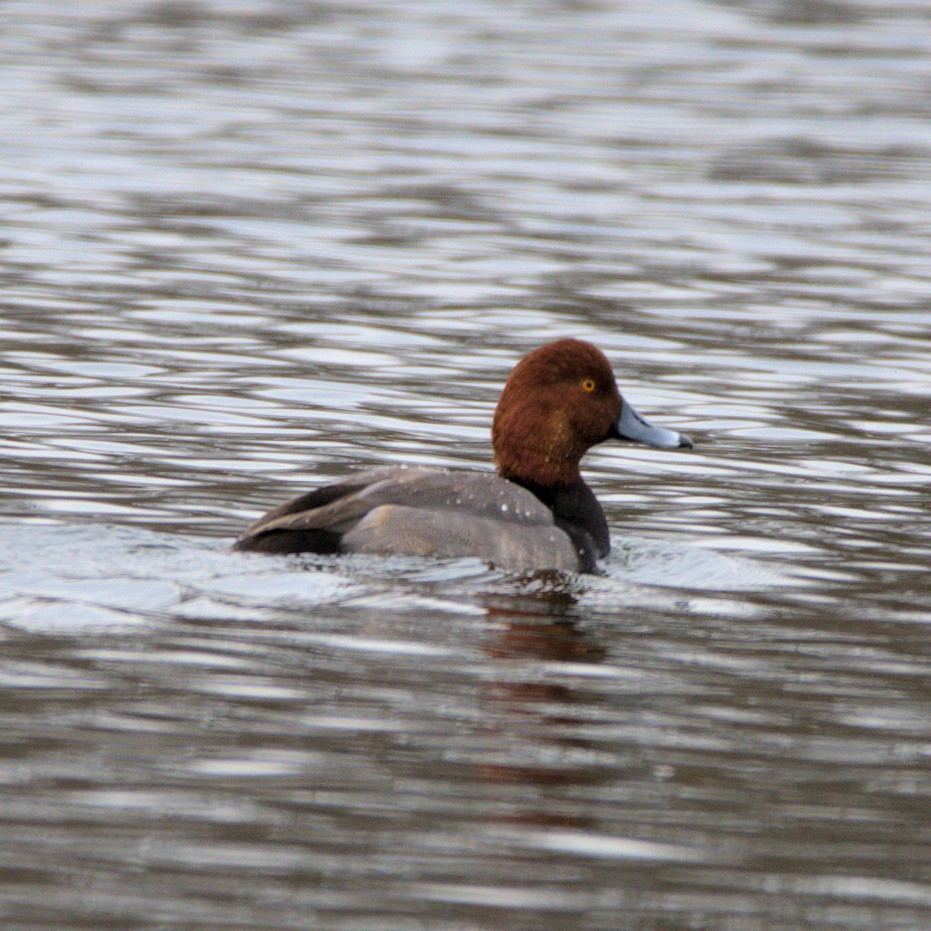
<point x="559" y="401"/>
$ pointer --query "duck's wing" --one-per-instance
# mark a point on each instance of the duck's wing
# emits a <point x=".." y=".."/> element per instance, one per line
<point x="314" y="522"/>
<point x="424" y="512"/>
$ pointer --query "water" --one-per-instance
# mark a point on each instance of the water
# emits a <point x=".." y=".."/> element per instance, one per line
<point x="249" y="248"/>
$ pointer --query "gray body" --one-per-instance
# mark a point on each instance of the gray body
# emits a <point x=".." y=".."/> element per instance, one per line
<point x="420" y="512"/>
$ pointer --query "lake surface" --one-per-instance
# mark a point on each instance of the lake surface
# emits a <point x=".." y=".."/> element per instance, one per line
<point x="248" y="248"/>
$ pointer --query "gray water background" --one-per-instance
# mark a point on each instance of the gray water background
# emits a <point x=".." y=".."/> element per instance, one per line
<point x="247" y="248"/>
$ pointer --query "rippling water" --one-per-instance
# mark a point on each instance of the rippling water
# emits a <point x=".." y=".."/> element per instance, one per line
<point x="248" y="248"/>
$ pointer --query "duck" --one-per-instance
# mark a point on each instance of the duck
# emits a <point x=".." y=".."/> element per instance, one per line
<point x="535" y="512"/>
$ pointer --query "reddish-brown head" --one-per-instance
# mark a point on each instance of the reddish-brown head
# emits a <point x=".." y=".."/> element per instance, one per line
<point x="558" y="402"/>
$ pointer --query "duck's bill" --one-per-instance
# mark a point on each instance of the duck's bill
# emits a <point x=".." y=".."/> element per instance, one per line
<point x="631" y="426"/>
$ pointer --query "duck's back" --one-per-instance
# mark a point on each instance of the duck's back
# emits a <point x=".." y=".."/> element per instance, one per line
<point x="419" y="512"/>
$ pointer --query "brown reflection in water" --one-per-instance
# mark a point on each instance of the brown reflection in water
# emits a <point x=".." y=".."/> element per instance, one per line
<point x="532" y="719"/>
<point x="559" y="641"/>
<point x="539" y="622"/>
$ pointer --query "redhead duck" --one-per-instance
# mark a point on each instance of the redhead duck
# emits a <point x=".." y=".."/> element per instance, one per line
<point x="536" y="513"/>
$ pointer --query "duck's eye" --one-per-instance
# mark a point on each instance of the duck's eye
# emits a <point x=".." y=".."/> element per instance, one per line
<point x="588" y="385"/>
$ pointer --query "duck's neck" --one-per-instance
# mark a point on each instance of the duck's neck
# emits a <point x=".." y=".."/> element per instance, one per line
<point x="577" y="511"/>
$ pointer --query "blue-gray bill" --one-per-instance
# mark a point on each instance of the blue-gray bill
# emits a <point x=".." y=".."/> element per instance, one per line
<point x="631" y="426"/>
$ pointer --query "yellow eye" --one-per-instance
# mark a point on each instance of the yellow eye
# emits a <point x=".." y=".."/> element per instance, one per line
<point x="588" y="385"/>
